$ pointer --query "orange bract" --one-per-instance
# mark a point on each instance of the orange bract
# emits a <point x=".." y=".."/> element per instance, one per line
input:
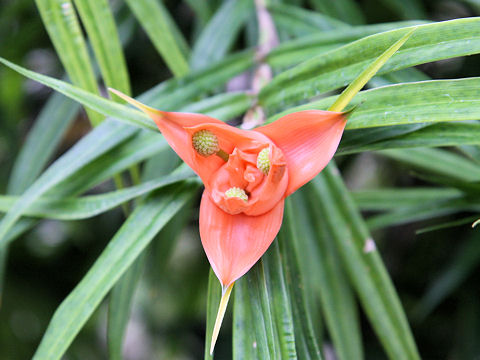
<point x="247" y="183"/>
<point x="236" y="232"/>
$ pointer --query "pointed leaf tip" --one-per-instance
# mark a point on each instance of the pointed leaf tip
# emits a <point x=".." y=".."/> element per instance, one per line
<point x="356" y="85"/>
<point x="222" y="307"/>
<point x="153" y="113"/>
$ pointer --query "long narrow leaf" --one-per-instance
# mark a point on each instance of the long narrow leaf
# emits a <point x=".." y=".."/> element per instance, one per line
<point x="339" y="67"/>
<point x="411" y="103"/>
<point x="123" y="249"/>
<point x="163" y="33"/>
<point x="92" y="205"/>
<point x="218" y="36"/>
<point x="64" y="30"/>
<point x="364" y="266"/>
<point x="336" y="296"/>
<point x="102" y="32"/>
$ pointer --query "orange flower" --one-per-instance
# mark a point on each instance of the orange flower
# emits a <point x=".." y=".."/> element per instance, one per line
<point x="247" y="176"/>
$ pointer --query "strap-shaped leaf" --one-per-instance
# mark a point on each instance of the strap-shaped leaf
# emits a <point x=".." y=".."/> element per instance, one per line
<point x="263" y="324"/>
<point x="335" y="294"/>
<point x="64" y="30"/>
<point x="294" y="52"/>
<point x="163" y="33"/>
<point x="410" y="103"/>
<point x="220" y="33"/>
<point x="92" y="205"/>
<point x="100" y="26"/>
<point x="135" y="234"/>
<point x="299" y="258"/>
<point x="437" y="161"/>
<point x="389" y="199"/>
<point x="363" y="264"/>
<point x="41" y="142"/>
<point x="422" y="211"/>
<point x="339" y="67"/>
<point x="446" y="134"/>
<point x="89" y="148"/>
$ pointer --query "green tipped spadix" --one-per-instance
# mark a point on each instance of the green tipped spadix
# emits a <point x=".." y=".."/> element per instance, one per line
<point x="205" y="143"/>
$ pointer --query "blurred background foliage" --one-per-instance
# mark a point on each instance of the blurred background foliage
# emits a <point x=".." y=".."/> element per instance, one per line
<point x="435" y="271"/>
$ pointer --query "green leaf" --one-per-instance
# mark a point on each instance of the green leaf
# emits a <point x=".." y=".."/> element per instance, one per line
<point x="363" y="264"/>
<point x="436" y="161"/>
<point x="81" y="208"/>
<point x="262" y="299"/>
<point x="336" y="296"/>
<point x="360" y="81"/>
<point x="119" y="306"/>
<point x="102" y="32"/>
<point x="214" y="293"/>
<point x="463" y="263"/>
<point x="222" y="106"/>
<point x="293" y="250"/>
<point x="390" y="199"/>
<point x="135" y="234"/>
<point x="410" y="103"/>
<point x="422" y="211"/>
<point x="163" y="33"/>
<point x="295" y="51"/>
<point x="64" y="30"/>
<point x="432" y="136"/>
<point x="92" y="101"/>
<point x="339" y="67"/>
<point x="220" y="33"/>
<point x="41" y="142"/>
<point x="81" y="154"/>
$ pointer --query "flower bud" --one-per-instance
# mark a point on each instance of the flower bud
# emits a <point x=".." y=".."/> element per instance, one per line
<point x="263" y="161"/>
<point x="236" y="192"/>
<point x="205" y="143"/>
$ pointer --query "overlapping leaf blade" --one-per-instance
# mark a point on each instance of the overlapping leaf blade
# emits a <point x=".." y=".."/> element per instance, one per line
<point x="219" y="34"/>
<point x="338" y="67"/>
<point x="64" y="30"/>
<point x="364" y="266"/>
<point x="163" y="33"/>
<point x="100" y="26"/>
<point x="135" y="234"/>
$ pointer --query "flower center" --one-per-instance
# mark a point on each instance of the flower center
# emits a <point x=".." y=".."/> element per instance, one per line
<point x="258" y="170"/>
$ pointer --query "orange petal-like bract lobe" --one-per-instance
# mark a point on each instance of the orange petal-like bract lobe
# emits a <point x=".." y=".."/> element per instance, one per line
<point x="234" y="243"/>
<point x="235" y="232"/>
<point x="246" y="184"/>
<point x="172" y="125"/>
<point x="308" y="139"/>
